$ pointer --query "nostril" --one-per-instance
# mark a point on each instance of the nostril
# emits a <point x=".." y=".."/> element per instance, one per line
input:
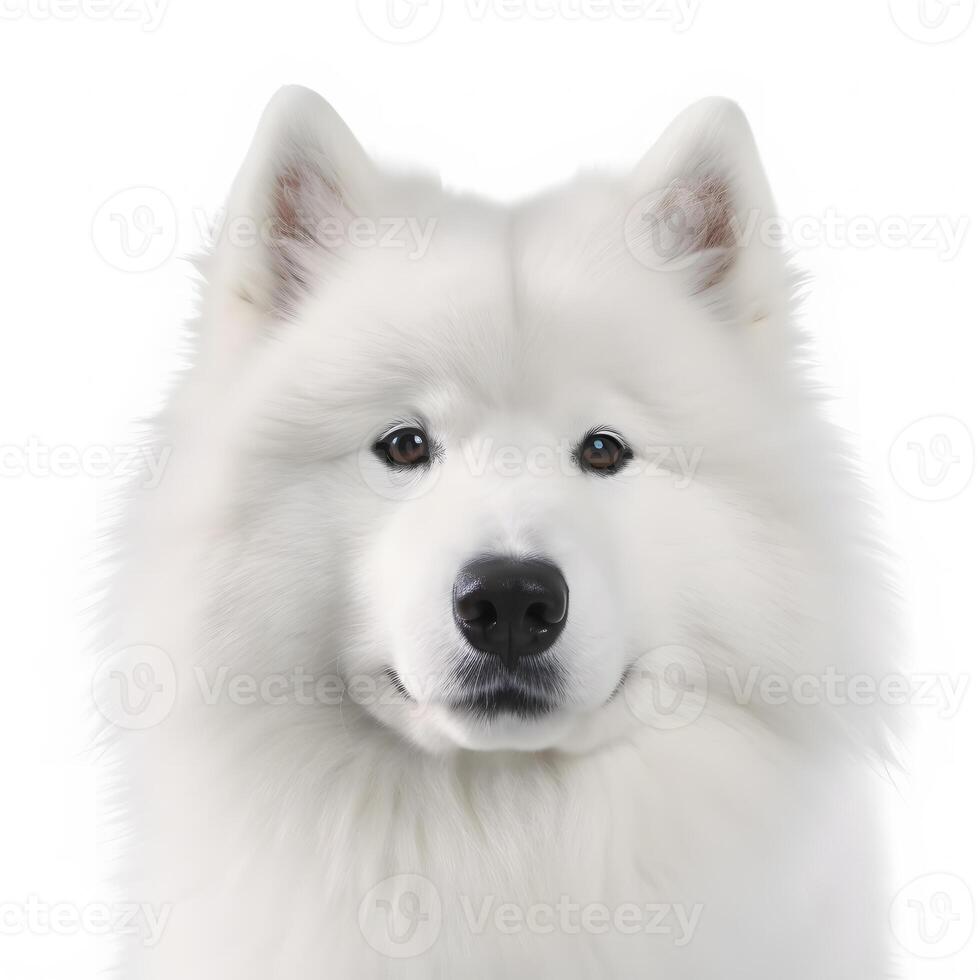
<point x="549" y="611"/>
<point x="538" y="619"/>
<point x="476" y="612"/>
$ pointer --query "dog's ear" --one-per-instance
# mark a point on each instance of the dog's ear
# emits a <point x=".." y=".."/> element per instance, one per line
<point x="304" y="179"/>
<point x="701" y="208"/>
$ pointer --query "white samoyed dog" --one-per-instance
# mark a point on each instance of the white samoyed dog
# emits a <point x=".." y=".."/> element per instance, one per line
<point x="498" y="587"/>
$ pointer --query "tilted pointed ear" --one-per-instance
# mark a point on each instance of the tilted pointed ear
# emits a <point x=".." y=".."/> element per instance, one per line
<point x="304" y="179"/>
<point x="702" y="209"/>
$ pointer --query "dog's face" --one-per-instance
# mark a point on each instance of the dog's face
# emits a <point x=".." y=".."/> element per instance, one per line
<point x="490" y="459"/>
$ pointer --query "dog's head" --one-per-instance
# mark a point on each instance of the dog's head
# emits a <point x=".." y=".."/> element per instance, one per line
<point x="486" y="460"/>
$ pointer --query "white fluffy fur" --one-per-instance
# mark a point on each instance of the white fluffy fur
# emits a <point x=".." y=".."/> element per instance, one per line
<point x="276" y="541"/>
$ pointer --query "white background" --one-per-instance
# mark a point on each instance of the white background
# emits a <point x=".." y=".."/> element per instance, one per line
<point x="866" y="115"/>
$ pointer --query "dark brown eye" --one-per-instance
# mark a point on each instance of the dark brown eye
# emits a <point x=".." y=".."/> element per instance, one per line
<point x="404" y="447"/>
<point x="601" y="452"/>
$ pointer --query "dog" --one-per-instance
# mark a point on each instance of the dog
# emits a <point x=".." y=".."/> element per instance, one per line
<point x="497" y="572"/>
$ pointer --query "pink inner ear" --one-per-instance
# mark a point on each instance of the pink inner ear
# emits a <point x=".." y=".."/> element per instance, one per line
<point x="302" y="201"/>
<point x="697" y="215"/>
<point x="308" y="217"/>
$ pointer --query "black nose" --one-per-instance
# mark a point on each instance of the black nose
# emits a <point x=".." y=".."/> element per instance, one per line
<point x="510" y="608"/>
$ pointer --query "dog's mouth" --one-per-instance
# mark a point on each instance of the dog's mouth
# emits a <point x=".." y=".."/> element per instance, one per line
<point x="483" y="691"/>
<point x="504" y="700"/>
<point x="486" y="688"/>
